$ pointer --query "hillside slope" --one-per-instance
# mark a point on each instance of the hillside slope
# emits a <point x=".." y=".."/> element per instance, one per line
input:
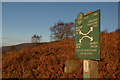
<point x="48" y="61"/>
<point x="20" y="46"/>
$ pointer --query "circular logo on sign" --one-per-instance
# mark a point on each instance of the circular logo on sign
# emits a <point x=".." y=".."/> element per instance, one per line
<point x="80" y="18"/>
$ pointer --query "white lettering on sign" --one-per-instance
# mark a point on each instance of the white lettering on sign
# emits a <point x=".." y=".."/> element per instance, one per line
<point x="93" y="42"/>
<point x="93" y="46"/>
<point x="95" y="14"/>
<point x="86" y="66"/>
<point x="86" y="17"/>
<point x="95" y="19"/>
<point x="90" y="21"/>
<point x="95" y="22"/>
<point x="80" y="26"/>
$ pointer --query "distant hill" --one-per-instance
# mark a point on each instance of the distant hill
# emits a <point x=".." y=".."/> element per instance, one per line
<point x="20" y="46"/>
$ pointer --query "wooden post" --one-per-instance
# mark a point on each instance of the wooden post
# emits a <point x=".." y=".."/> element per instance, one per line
<point x="90" y="69"/>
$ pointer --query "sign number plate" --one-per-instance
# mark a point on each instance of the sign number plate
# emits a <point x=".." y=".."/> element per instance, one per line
<point x="86" y="66"/>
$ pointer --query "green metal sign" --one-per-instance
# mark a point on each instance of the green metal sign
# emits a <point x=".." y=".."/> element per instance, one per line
<point x="87" y="36"/>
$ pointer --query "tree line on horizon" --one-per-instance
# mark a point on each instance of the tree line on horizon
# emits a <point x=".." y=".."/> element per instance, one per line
<point x="60" y="31"/>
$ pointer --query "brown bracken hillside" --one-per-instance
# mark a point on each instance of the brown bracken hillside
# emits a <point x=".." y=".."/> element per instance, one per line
<point x="48" y="60"/>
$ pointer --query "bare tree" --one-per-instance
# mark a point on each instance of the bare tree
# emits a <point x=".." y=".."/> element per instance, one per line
<point x="62" y="31"/>
<point x="36" y="39"/>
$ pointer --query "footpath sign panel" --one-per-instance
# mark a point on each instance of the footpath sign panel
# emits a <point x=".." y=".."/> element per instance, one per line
<point x="87" y="36"/>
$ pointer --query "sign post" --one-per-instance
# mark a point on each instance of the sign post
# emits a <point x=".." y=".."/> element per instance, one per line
<point x="87" y="42"/>
<point x="90" y="69"/>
